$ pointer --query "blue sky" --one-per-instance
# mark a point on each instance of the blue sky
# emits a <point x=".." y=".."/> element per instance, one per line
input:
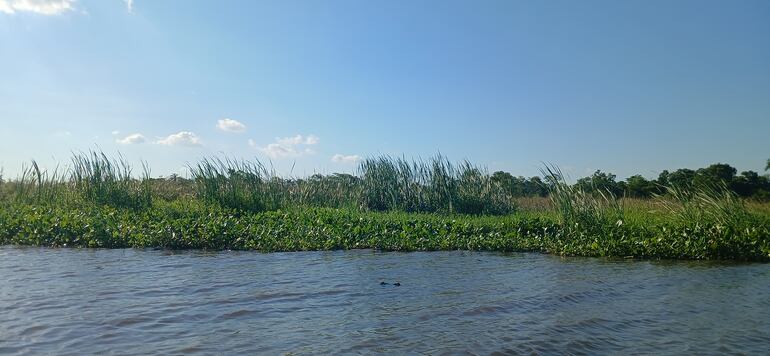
<point x="623" y="86"/>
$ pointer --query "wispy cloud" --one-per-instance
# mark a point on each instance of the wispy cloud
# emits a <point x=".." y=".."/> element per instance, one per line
<point x="284" y="147"/>
<point x="230" y="125"/>
<point x="298" y="140"/>
<point x="129" y="5"/>
<point x="345" y="159"/>
<point x="183" y="138"/>
<point x="42" y="7"/>
<point x="132" y="139"/>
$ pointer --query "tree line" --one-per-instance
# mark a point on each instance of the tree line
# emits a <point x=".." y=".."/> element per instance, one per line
<point x="747" y="184"/>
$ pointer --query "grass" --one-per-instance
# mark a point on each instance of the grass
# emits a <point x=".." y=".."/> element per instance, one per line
<point x="434" y="186"/>
<point x="392" y="204"/>
<point x="93" y="177"/>
<point x="579" y="209"/>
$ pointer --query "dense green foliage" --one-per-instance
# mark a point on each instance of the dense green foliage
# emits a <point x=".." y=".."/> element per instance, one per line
<point x="392" y="205"/>
<point x="748" y="184"/>
<point x="193" y="224"/>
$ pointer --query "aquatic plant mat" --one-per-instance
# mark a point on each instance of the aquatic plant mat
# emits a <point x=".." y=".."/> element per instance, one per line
<point x="194" y="225"/>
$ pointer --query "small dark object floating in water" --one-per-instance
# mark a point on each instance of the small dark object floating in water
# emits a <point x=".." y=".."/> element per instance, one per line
<point x="383" y="283"/>
<point x="397" y="284"/>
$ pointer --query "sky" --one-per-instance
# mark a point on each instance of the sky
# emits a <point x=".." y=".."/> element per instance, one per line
<point x="628" y="87"/>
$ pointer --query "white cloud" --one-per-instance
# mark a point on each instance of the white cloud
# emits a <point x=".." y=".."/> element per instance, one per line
<point x="129" y="5"/>
<point x="63" y="133"/>
<point x="230" y="125"/>
<point x="298" y="140"/>
<point x="312" y="140"/>
<point x="115" y="133"/>
<point x="345" y="159"/>
<point x="132" y="139"/>
<point x="183" y="138"/>
<point x="42" y="7"/>
<point x="277" y="150"/>
<point x="284" y="147"/>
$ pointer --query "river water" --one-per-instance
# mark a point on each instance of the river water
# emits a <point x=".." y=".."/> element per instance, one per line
<point x="79" y="301"/>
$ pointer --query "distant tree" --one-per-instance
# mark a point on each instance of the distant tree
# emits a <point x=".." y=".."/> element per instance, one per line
<point x="519" y="186"/>
<point x="621" y="188"/>
<point x="639" y="187"/>
<point x="749" y="183"/>
<point x="535" y="186"/>
<point x="600" y="181"/>
<point x="661" y="182"/>
<point x="767" y="167"/>
<point x="682" y="177"/>
<point x="715" y="174"/>
<point x="504" y="180"/>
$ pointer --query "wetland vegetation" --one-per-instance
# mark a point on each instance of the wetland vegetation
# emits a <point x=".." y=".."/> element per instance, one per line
<point x="390" y="204"/>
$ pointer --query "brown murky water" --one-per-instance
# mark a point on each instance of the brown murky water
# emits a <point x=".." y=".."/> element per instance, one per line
<point x="68" y="301"/>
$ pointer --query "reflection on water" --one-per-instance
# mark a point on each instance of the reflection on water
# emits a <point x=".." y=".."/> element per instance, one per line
<point x="67" y="301"/>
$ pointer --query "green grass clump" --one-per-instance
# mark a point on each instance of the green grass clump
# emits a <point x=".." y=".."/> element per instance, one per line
<point x="108" y="181"/>
<point x="36" y="185"/>
<point x="579" y="208"/>
<point x="434" y="186"/>
<point x="704" y="203"/>
<point x="250" y="186"/>
<point x="337" y="190"/>
<point x="93" y="177"/>
<point x="232" y="184"/>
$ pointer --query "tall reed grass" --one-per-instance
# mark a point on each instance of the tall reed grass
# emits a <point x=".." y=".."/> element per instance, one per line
<point x="93" y="177"/>
<point x="236" y="184"/>
<point x="435" y="186"/>
<point x="332" y="191"/>
<point x="384" y="184"/>
<point x="36" y="185"/>
<point x="703" y="204"/>
<point x="107" y="181"/>
<point x="581" y="209"/>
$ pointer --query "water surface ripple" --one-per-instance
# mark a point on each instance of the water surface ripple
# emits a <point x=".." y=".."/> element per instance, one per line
<point x="70" y="301"/>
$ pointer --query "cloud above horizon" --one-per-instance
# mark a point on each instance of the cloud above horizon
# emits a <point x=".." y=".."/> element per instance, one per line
<point x="129" y="5"/>
<point x="230" y="125"/>
<point x="298" y="140"/>
<point x="339" y="158"/>
<point x="132" y="139"/>
<point x="182" y="138"/>
<point x="42" y="7"/>
<point x="285" y="147"/>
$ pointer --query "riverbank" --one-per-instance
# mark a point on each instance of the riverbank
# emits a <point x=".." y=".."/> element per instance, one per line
<point x="191" y="224"/>
<point x="394" y="205"/>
